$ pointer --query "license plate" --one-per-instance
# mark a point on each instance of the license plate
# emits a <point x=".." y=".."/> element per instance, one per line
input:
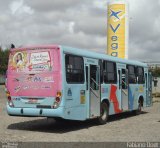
<point x="32" y="101"/>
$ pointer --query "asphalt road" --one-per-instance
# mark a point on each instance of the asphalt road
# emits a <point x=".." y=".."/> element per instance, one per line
<point x="126" y="127"/>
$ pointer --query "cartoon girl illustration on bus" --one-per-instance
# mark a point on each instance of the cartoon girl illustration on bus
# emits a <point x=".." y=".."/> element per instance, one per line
<point x="19" y="59"/>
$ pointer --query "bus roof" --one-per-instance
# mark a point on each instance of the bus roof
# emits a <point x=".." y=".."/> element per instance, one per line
<point x="37" y="47"/>
<point x="83" y="52"/>
<point x="96" y="55"/>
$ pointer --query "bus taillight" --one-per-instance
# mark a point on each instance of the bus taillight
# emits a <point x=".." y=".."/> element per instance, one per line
<point x="57" y="100"/>
<point x="59" y="94"/>
<point x="10" y="103"/>
<point x="7" y="93"/>
<point x="9" y="98"/>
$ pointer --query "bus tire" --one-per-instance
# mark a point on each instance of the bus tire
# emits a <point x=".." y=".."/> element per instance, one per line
<point x="139" y="109"/>
<point x="104" y="113"/>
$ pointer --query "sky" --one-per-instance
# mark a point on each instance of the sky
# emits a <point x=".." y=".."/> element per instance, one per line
<point x="79" y="23"/>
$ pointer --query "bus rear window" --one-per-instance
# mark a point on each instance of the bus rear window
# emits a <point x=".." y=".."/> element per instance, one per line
<point x="31" y="61"/>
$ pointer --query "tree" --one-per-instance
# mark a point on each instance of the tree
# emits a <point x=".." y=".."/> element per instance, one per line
<point x="4" y="56"/>
<point x="155" y="72"/>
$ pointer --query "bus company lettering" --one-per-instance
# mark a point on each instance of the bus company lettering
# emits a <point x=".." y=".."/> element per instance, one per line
<point x="116" y="30"/>
<point x="114" y="39"/>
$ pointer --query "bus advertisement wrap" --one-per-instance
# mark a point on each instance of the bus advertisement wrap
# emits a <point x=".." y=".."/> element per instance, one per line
<point x="69" y="83"/>
<point x="117" y="34"/>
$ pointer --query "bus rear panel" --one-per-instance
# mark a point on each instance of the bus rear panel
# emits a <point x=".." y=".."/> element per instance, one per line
<point x="34" y="82"/>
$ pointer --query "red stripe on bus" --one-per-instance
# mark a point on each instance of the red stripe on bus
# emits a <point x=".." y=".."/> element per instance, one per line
<point x="114" y="99"/>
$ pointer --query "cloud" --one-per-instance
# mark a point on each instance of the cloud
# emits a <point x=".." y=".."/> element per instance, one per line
<point x="71" y="27"/>
<point x="18" y="7"/>
<point x="60" y="5"/>
<point x="144" y="32"/>
<point x="80" y="23"/>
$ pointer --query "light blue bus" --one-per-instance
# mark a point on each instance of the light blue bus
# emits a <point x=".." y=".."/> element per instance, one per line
<point x="69" y="83"/>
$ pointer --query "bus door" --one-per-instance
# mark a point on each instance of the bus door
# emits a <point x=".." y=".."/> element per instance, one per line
<point x="148" y="80"/>
<point x="94" y="90"/>
<point x="124" y="89"/>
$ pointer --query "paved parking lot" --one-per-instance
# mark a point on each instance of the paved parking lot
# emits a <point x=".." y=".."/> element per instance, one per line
<point x="124" y="127"/>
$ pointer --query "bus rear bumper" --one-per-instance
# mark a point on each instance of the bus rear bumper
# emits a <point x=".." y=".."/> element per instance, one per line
<point x="35" y="112"/>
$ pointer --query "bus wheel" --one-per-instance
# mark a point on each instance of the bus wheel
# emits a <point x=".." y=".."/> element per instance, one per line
<point x="104" y="113"/>
<point x="139" y="110"/>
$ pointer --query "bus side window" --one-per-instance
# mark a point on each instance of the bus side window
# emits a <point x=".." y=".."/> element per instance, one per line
<point x="132" y="74"/>
<point x="124" y="79"/>
<point x="109" y="72"/>
<point x="101" y="71"/>
<point x="94" y="80"/>
<point x="119" y="74"/>
<point x="74" y="69"/>
<point x="140" y="75"/>
<point x="86" y="77"/>
<point x="124" y="82"/>
<point x="146" y="80"/>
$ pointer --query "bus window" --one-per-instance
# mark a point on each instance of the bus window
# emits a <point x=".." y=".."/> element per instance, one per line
<point x="94" y="77"/>
<point x="110" y="73"/>
<point x="101" y="71"/>
<point x="86" y="77"/>
<point x="140" y="75"/>
<point x="132" y="74"/>
<point x="74" y="69"/>
<point x="123" y="79"/>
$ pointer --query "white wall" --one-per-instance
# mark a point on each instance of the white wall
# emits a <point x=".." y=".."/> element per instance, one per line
<point x="156" y="89"/>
